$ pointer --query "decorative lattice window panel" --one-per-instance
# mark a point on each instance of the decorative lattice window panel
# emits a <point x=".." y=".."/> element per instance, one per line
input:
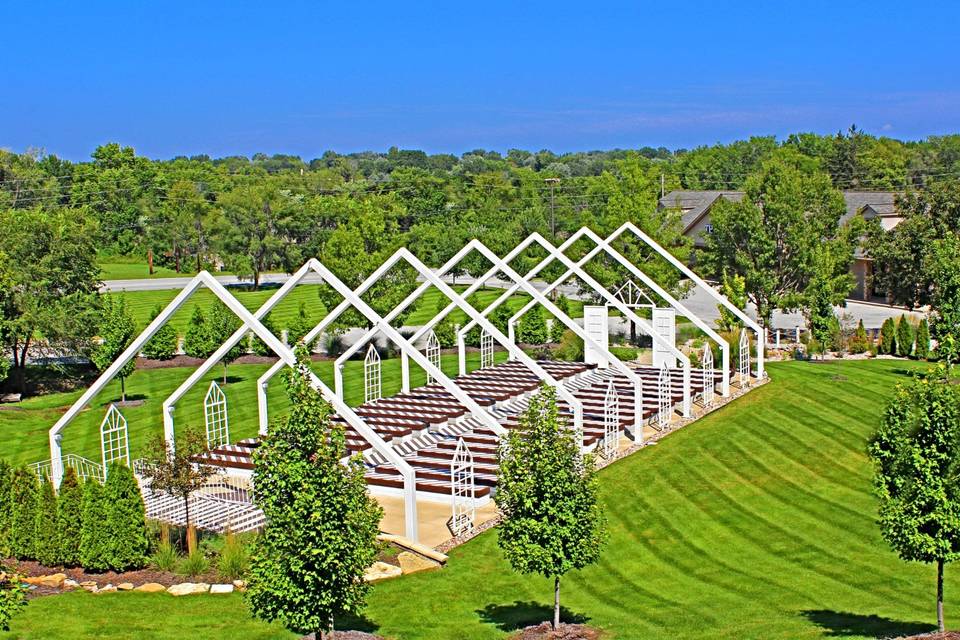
<point x="114" y="445"/>
<point x="486" y="349"/>
<point x="463" y="490"/>
<point x="611" y="422"/>
<point x="215" y="416"/>
<point x="665" y="400"/>
<point x="744" y="369"/>
<point x="433" y="353"/>
<point x="372" y="375"/>
<point x="708" y="375"/>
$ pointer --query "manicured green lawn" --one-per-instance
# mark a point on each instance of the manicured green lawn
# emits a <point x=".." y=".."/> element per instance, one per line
<point x="755" y="522"/>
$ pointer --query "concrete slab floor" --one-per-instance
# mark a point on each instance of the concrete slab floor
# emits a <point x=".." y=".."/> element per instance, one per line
<point x="433" y="517"/>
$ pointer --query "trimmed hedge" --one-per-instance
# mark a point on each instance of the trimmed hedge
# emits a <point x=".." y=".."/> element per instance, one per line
<point x="69" y="518"/>
<point x="127" y="543"/>
<point x="46" y="541"/>
<point x="94" y="553"/>
<point x="23" y="513"/>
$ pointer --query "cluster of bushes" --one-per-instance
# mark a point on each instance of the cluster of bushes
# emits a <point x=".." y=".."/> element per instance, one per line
<point x="229" y="554"/>
<point x="97" y="527"/>
<point x="902" y="339"/>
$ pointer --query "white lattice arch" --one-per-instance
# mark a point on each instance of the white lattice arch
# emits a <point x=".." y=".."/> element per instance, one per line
<point x="708" y="375"/>
<point x="463" y="490"/>
<point x="611" y="422"/>
<point x="372" y="387"/>
<point x="744" y="368"/>
<point x="215" y="416"/>
<point x="664" y="395"/>
<point x="433" y="353"/>
<point x="486" y="349"/>
<point x="114" y="445"/>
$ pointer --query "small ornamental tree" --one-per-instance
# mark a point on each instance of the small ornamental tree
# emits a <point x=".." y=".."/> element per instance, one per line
<point x="46" y="541"/>
<point x="321" y="525"/>
<point x="5" y="508"/>
<point x="547" y="493"/>
<point x="126" y="520"/>
<point x="859" y="342"/>
<point x="300" y="326"/>
<point x="221" y="324"/>
<point x="116" y="330"/>
<point x="94" y="537"/>
<point x="887" y="342"/>
<point x="922" y="349"/>
<point x="734" y="287"/>
<point x="173" y="472"/>
<point x="13" y="596"/>
<point x="257" y="345"/>
<point x="904" y="337"/>
<point x="917" y="454"/>
<point x="164" y="343"/>
<point x="69" y="518"/>
<point x="23" y="513"/>
<point x="532" y="328"/>
<point x="197" y="341"/>
<point x="446" y="334"/>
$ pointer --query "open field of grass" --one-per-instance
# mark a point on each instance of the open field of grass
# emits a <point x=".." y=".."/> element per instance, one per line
<point x="755" y="522"/>
<point x="141" y="304"/>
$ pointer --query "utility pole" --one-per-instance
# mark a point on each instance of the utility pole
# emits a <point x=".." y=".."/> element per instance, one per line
<point x="661" y="185"/>
<point x="553" y="182"/>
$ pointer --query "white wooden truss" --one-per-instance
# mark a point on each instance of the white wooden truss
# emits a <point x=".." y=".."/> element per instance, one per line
<point x="463" y="490"/>
<point x="371" y="375"/>
<point x="433" y="353"/>
<point x="114" y="445"/>
<point x="664" y="398"/>
<point x="611" y="422"/>
<point x="744" y="369"/>
<point x="486" y="349"/>
<point x="708" y="379"/>
<point x="215" y="416"/>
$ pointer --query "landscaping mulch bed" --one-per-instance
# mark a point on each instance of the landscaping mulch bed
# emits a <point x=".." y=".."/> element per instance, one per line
<point x="936" y="635"/>
<point x="346" y="635"/>
<point x="545" y="631"/>
<point x="29" y="568"/>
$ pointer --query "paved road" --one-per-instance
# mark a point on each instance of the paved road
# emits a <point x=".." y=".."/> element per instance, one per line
<point x="699" y="302"/>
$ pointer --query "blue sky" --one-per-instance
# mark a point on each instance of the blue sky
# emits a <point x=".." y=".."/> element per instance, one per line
<point x="302" y="77"/>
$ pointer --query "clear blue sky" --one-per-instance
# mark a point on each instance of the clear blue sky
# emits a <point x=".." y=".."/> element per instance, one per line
<point x="224" y="78"/>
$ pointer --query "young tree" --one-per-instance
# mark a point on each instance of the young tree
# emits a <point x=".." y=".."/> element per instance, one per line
<point x="23" y="513"/>
<point x="532" y="328"/>
<point x="300" y="326"/>
<point x="116" y="330"/>
<point x="198" y="341"/>
<point x="860" y="342"/>
<point x="94" y="537"/>
<point x="923" y="340"/>
<point x="174" y="472"/>
<point x="13" y="596"/>
<point x="70" y="518"/>
<point x="547" y="493"/>
<point x="164" y="343"/>
<point x="888" y="339"/>
<point x="221" y="323"/>
<point x="45" y="539"/>
<point x="734" y="287"/>
<point x="126" y="520"/>
<point x="321" y="532"/>
<point x="257" y="345"/>
<point x="904" y="337"/>
<point x="916" y="454"/>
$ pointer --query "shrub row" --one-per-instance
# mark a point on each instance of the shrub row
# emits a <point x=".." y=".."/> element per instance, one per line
<point x="98" y="527"/>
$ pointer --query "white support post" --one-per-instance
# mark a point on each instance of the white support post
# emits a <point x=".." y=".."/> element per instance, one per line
<point x="777" y="346"/>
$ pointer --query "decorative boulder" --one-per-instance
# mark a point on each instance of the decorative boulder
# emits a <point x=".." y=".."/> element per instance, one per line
<point x="381" y="571"/>
<point x="412" y="563"/>
<point x="151" y="587"/>
<point x="221" y="588"/>
<point x="125" y="586"/>
<point x="188" y="588"/>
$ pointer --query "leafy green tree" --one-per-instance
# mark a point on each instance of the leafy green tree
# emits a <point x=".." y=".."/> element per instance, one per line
<point x="221" y="324"/>
<point x="164" y="343"/>
<point x="116" y="331"/>
<point x="734" y="287"/>
<point x="446" y="334"/>
<point x="532" y="328"/>
<point x="70" y="518"/>
<point x="198" y="340"/>
<point x="45" y="540"/>
<point x="888" y="340"/>
<point x="776" y="236"/>
<point x="94" y="535"/>
<point x="126" y="520"/>
<point x="860" y="342"/>
<point x="301" y="325"/>
<point x="50" y="279"/>
<point x="257" y="345"/>
<point x="173" y="472"/>
<point x="6" y="507"/>
<point x="923" y="340"/>
<point x="944" y="267"/>
<point x="904" y="337"/>
<point x="321" y="533"/>
<point x="547" y="493"/>
<point x="13" y="596"/>
<point x="23" y="513"/>
<point x="916" y="454"/>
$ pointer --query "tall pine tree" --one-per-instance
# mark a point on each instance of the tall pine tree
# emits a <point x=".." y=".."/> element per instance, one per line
<point x="127" y="541"/>
<point x="94" y="537"/>
<point x="69" y="518"/>
<point x="23" y="513"/>
<point x="46" y="541"/>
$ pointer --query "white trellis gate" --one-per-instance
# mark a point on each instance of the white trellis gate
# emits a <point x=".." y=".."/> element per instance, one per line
<point x="611" y="422"/>
<point x="486" y="349"/>
<point x="744" y="368"/>
<point x="215" y="416"/>
<point x="708" y="376"/>
<point x="433" y="353"/>
<point x="463" y="490"/>
<point x="114" y="445"/>
<point x="371" y="375"/>
<point x="664" y="397"/>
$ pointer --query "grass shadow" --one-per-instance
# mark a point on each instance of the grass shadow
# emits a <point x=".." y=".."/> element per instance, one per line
<point x="510" y="617"/>
<point x="362" y="623"/>
<point x="844" y="623"/>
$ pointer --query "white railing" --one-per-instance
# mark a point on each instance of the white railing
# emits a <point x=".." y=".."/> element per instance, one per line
<point x="86" y="469"/>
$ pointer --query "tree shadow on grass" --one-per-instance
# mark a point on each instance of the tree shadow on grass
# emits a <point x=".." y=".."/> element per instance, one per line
<point x="510" y="617"/>
<point x="844" y="623"/>
<point x="355" y="623"/>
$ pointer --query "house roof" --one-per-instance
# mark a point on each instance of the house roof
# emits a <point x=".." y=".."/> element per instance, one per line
<point x="695" y="203"/>
<point x="881" y="202"/>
